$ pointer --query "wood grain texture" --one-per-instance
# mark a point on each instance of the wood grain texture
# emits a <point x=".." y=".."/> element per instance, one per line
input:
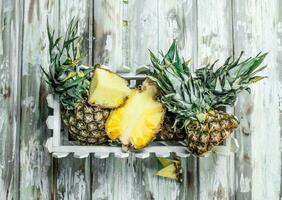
<point x="143" y="28"/>
<point x="205" y="30"/>
<point x="215" y="42"/>
<point x="72" y="175"/>
<point x="108" y="33"/>
<point x="10" y="38"/>
<point x="258" y="162"/>
<point x="176" y="20"/>
<point x="35" y="161"/>
<point x="72" y="178"/>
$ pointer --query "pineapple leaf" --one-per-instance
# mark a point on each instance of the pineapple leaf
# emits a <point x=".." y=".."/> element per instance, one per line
<point x="171" y="52"/>
<point x="66" y="76"/>
<point x="256" y="79"/>
<point x="190" y="95"/>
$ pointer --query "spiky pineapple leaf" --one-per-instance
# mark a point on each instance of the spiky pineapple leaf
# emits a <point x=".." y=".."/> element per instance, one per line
<point x="65" y="75"/>
<point x="190" y="95"/>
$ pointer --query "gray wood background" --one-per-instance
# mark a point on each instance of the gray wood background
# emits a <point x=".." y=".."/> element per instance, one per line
<point x="124" y="29"/>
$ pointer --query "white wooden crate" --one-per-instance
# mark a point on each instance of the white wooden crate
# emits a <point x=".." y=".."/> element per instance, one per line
<point x="60" y="146"/>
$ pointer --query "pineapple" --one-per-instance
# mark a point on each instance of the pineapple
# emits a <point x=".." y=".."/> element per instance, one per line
<point x="168" y="132"/>
<point x="137" y="122"/>
<point x="197" y="99"/>
<point x="171" y="169"/>
<point x="86" y="123"/>
<point x="204" y="135"/>
<point x="107" y="89"/>
<point x="69" y="80"/>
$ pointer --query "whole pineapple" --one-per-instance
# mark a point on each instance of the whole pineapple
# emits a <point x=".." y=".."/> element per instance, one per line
<point x="197" y="99"/>
<point x="70" y="82"/>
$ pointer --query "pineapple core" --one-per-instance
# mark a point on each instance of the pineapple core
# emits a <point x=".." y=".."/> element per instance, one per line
<point x="137" y="122"/>
<point x="107" y="89"/>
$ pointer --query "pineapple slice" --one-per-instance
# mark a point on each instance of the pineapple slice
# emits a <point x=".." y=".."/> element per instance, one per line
<point x="171" y="169"/>
<point x="107" y="89"/>
<point x="138" y="121"/>
<point x="166" y="162"/>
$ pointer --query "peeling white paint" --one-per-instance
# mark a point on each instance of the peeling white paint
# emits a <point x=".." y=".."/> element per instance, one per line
<point x="261" y="160"/>
<point x="28" y="102"/>
<point x="73" y="183"/>
<point x="245" y="184"/>
<point x="36" y="170"/>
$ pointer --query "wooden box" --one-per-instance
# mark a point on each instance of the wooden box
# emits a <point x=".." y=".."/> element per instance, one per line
<point x="60" y="146"/>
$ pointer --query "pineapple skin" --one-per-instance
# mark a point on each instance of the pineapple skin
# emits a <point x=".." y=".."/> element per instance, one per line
<point x="86" y="123"/>
<point x="203" y="136"/>
<point x="168" y="133"/>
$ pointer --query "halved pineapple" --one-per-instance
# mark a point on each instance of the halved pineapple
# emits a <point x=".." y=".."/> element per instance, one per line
<point x="107" y="89"/>
<point x="138" y="121"/>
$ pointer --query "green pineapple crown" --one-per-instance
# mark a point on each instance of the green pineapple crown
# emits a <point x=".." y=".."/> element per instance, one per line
<point x="190" y="95"/>
<point x="231" y="78"/>
<point x="66" y="76"/>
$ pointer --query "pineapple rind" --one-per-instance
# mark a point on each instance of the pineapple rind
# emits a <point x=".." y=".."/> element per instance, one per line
<point x="107" y="89"/>
<point x="86" y="123"/>
<point x="138" y="121"/>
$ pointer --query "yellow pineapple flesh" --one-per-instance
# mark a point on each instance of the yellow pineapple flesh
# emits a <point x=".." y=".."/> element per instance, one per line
<point x="171" y="169"/>
<point x="107" y="89"/>
<point x="137" y="122"/>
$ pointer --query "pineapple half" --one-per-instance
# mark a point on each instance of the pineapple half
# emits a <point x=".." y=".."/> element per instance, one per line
<point x="107" y="89"/>
<point x="137" y="122"/>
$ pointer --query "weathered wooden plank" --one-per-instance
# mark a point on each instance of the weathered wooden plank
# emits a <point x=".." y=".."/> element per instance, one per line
<point x="118" y="178"/>
<point x="35" y="160"/>
<point x="130" y="178"/>
<point x="72" y="175"/>
<point x="73" y="178"/>
<point x="215" y="42"/>
<point x="10" y="38"/>
<point x="257" y="27"/>
<point x="176" y="20"/>
<point x="110" y="176"/>
<point x="108" y="33"/>
<point x="279" y="63"/>
<point x="144" y="26"/>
